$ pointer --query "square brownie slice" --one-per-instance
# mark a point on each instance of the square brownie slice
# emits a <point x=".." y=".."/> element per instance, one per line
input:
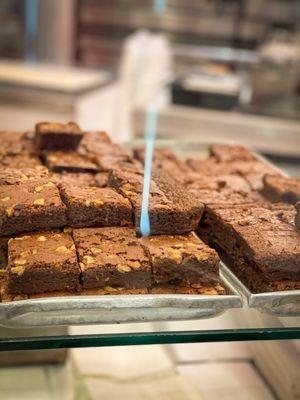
<point x="112" y="257"/>
<point x="13" y="176"/>
<point x="42" y="262"/>
<point x="183" y="259"/>
<point x="30" y="206"/>
<point x="57" y="136"/>
<point x="281" y="188"/>
<point x="59" y="161"/>
<point x="92" y="206"/>
<point x="172" y="209"/>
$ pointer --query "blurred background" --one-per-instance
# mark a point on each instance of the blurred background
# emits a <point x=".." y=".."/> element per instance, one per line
<point x="215" y="71"/>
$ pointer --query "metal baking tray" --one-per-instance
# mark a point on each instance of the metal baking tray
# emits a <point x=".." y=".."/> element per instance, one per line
<point x="282" y="303"/>
<point x="83" y="310"/>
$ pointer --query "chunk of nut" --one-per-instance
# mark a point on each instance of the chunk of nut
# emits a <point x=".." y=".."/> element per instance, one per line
<point x="87" y="203"/>
<point x="5" y="198"/>
<point x="41" y="238"/>
<point x="88" y="260"/>
<point x="20" y="261"/>
<point x="38" y="189"/>
<point x="96" y="250"/>
<point x="134" y="264"/>
<point x="98" y="202"/>
<point x="175" y="254"/>
<point x="201" y="256"/>
<point x="123" y="268"/>
<point x="9" y="211"/>
<point x="62" y="250"/>
<point x="39" y="202"/>
<point x="19" y="270"/>
<point x="49" y="184"/>
<point x="21" y="237"/>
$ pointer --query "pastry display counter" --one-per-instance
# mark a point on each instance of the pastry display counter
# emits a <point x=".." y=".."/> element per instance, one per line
<point x="81" y="310"/>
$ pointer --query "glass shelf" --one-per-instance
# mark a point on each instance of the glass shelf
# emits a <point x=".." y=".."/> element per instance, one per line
<point x="147" y="338"/>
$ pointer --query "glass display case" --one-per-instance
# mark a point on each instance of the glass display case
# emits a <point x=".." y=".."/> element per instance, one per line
<point x="41" y="323"/>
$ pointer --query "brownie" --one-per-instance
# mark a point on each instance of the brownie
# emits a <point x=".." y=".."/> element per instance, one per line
<point x="195" y="181"/>
<point x="281" y="188"/>
<point x="91" y="141"/>
<point x="166" y="160"/>
<point x="12" y="176"/>
<point x="98" y="144"/>
<point x="14" y="143"/>
<point x="256" y="236"/>
<point x="57" y="136"/>
<point x="92" y="206"/>
<point x="42" y="262"/>
<point x="125" y="163"/>
<point x="252" y="170"/>
<point x="206" y="167"/>
<point x="297" y="216"/>
<point x="255" y="279"/>
<point x="58" y="161"/>
<point x="112" y="257"/>
<point x="182" y="260"/>
<point x="226" y="153"/>
<point x="101" y="179"/>
<point x="19" y="161"/>
<point x="212" y="289"/>
<point x="30" y="206"/>
<point x="76" y="179"/>
<point x="172" y="209"/>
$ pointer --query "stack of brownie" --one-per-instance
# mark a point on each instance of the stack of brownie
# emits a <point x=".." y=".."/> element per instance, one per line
<point x="70" y="204"/>
<point x="248" y="217"/>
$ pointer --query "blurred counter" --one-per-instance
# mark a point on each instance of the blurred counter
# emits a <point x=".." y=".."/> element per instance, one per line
<point x="35" y="92"/>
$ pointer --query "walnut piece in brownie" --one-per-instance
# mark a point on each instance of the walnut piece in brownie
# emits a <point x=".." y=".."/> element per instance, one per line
<point x="57" y="136"/>
<point x="182" y="260"/>
<point x="112" y="257"/>
<point x="42" y="262"/>
<point x="172" y="209"/>
<point x="75" y="179"/>
<point x="13" y="176"/>
<point x="281" y="188"/>
<point x="58" y="161"/>
<point x="30" y="206"/>
<point x="92" y="206"/>
<point x="297" y="216"/>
